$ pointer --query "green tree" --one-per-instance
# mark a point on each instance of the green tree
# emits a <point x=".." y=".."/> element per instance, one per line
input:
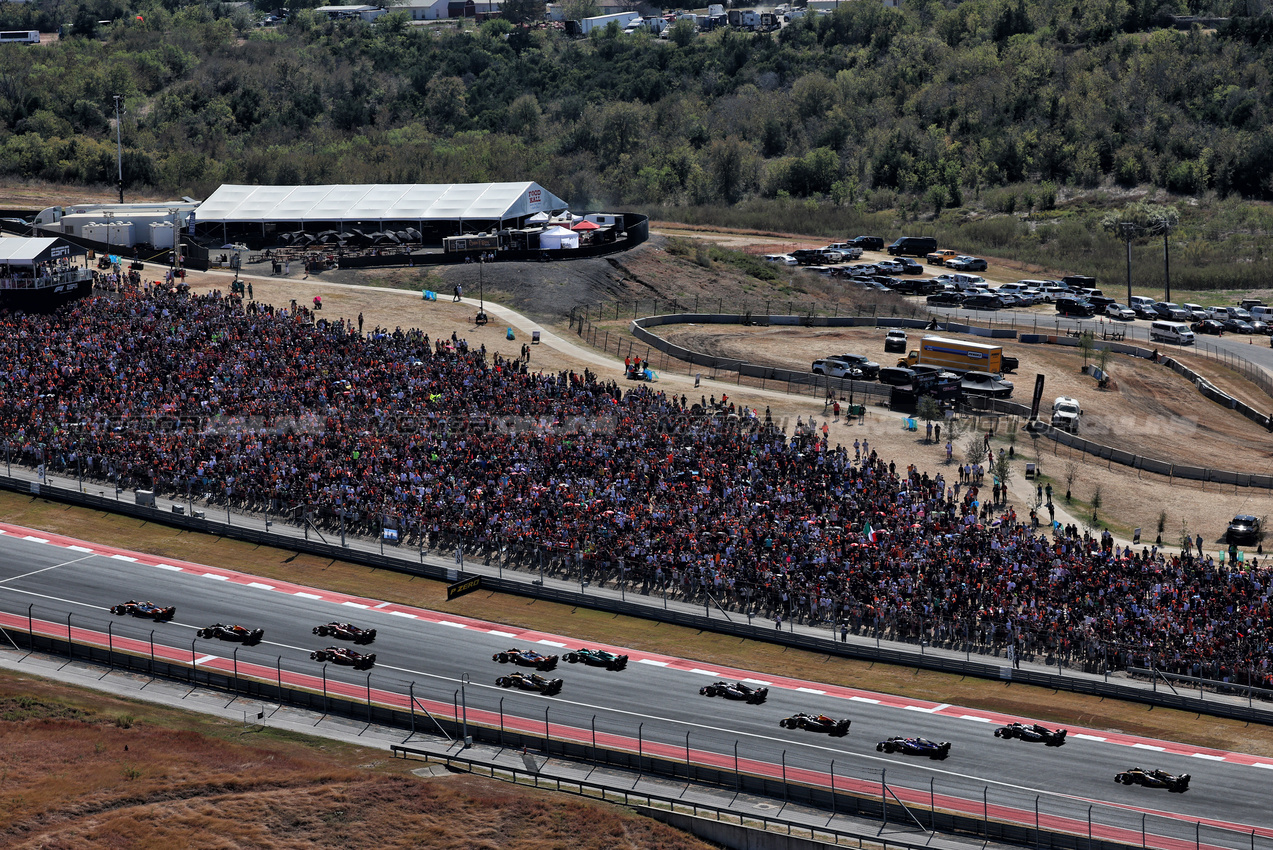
<point x="523" y="11"/>
<point x="928" y="409"/>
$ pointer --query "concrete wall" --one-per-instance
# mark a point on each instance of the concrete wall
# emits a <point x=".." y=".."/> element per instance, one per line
<point x="730" y="835"/>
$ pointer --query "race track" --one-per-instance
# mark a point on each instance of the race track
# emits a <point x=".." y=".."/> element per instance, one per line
<point x="655" y="700"/>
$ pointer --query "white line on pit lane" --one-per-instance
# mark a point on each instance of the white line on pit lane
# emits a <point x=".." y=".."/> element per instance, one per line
<point x="46" y="569"/>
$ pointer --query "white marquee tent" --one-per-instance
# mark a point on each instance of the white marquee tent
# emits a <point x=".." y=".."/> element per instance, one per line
<point x="556" y="238"/>
<point x="495" y="203"/>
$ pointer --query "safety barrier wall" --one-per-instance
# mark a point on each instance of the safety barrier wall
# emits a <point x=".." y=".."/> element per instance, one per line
<point x="525" y="585"/>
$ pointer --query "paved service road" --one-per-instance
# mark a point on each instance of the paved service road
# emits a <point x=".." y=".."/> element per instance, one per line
<point x="430" y="652"/>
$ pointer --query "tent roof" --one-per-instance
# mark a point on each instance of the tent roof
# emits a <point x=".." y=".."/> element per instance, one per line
<point x="377" y="201"/>
<point x="585" y="225"/>
<point x="25" y="251"/>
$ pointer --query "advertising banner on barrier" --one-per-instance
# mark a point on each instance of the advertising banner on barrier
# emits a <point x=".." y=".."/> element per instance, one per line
<point x="454" y="591"/>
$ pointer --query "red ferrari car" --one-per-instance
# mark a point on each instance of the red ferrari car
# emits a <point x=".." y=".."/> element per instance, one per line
<point x="344" y="656"/>
<point x="526" y="658"/>
<point x="346" y="631"/>
<point x="145" y="609"/>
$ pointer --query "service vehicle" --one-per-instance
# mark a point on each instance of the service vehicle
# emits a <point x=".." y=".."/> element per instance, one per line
<point x="895" y="340"/>
<point x="955" y="355"/>
<point x="1244" y="529"/>
<point x="1174" y="332"/>
<point x="735" y="691"/>
<point x="1065" y="414"/>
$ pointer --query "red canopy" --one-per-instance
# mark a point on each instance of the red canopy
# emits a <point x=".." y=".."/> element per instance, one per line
<point x="585" y="225"/>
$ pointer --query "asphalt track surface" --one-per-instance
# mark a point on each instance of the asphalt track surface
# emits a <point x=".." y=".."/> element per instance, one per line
<point x="653" y="705"/>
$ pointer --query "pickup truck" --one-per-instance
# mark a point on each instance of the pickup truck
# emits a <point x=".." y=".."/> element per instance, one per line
<point x="1065" y="414"/>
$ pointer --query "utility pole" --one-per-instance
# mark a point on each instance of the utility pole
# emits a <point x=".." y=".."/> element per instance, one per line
<point x="119" y="147"/>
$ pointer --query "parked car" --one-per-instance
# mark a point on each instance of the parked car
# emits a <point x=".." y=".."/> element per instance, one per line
<point x="895" y="340"/>
<point x="1196" y="311"/>
<point x="1146" y="311"/>
<point x="1243" y="529"/>
<point x="889" y="267"/>
<point x="896" y="376"/>
<point x="945" y="299"/>
<point x="1260" y="327"/>
<point x="869" y="243"/>
<point x="1238" y="326"/>
<point x="964" y="263"/>
<point x="1100" y="302"/>
<point x="1065" y="414"/>
<point x="1120" y="311"/>
<point x="1207" y="326"/>
<point x="867" y="367"/>
<point x="939" y="257"/>
<point x="1051" y="293"/>
<point x="913" y="246"/>
<point x="984" y="301"/>
<point x="782" y="259"/>
<point x="1171" y="311"/>
<point x="1074" y="307"/>
<point x="909" y="266"/>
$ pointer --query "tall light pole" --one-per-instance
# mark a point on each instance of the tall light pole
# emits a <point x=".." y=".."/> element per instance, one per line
<point x="119" y="147"/>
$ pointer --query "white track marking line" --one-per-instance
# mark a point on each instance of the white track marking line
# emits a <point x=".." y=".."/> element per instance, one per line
<point x="1089" y="737"/>
<point x="46" y="569"/>
<point x="1263" y="765"/>
<point x="811" y="691"/>
<point x="455" y="625"/>
<point x="205" y="659"/>
<point x="383" y="605"/>
<point x="216" y="577"/>
<point x="976" y="719"/>
<point x="651" y="661"/>
<point x="124" y="558"/>
<point x="356" y="605"/>
<point x="259" y="586"/>
<point x="866" y="700"/>
<point x="1206" y="756"/>
<point x="35" y="539"/>
<point x="169" y="567"/>
<point x="501" y="634"/>
<point x="705" y="672"/>
<point x="304" y="595"/>
<point x="402" y="614"/>
<point x="551" y="643"/>
<point x="1150" y="747"/>
<point x="758" y="682"/>
<point x="80" y="549"/>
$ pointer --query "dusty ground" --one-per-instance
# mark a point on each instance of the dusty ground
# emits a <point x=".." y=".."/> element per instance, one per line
<point x="82" y="769"/>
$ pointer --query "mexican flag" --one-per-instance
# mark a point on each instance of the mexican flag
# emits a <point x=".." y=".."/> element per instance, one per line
<point x="870" y="533"/>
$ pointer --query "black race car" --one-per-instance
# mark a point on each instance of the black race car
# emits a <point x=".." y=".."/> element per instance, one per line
<point x="530" y="682"/>
<point x="346" y="631"/>
<point x="347" y="657"/>
<point x="597" y="658"/>
<point x="145" y="609"/>
<point x="914" y="747"/>
<point x="1154" y="779"/>
<point x="817" y="723"/>
<point x="1032" y="732"/>
<point x="221" y="631"/>
<point x="526" y="658"/>
<point x="738" y="691"/>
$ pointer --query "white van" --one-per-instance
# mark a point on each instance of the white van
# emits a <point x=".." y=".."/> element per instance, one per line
<point x="1262" y="313"/>
<point x="1175" y="332"/>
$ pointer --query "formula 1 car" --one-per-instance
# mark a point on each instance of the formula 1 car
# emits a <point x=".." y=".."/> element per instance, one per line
<point x="346" y="631"/>
<point x="145" y="609"/>
<point x="530" y="682"/>
<point x="739" y="691"/>
<point x="244" y="635"/>
<point x="914" y="747"/>
<point x="526" y="658"/>
<point x="346" y="657"/>
<point x="817" y="723"/>
<point x="1154" y="779"/>
<point x="598" y="658"/>
<point x="1032" y="732"/>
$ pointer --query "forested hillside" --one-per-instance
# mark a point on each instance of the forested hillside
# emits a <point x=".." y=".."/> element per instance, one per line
<point x="1000" y="105"/>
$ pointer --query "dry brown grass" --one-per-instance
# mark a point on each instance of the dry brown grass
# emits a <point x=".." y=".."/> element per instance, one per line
<point x="590" y="625"/>
<point x="81" y="769"/>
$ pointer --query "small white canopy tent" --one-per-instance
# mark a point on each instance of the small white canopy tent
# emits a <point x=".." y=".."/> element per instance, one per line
<point x="556" y="238"/>
<point x="538" y="218"/>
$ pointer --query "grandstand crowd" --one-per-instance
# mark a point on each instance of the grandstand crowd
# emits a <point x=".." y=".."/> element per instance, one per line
<point x="268" y="409"/>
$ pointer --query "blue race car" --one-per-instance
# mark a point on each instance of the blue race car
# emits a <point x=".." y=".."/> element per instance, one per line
<point x="914" y="747"/>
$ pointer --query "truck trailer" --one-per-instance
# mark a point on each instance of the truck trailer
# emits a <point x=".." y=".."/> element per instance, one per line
<point x="956" y="355"/>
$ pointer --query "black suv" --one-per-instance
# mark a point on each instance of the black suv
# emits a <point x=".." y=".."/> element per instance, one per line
<point x="1243" y="529"/>
<point x="868" y="243"/>
<point x="982" y="302"/>
<point x="1074" y="307"/>
<point x="914" y="246"/>
<point x="868" y="368"/>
